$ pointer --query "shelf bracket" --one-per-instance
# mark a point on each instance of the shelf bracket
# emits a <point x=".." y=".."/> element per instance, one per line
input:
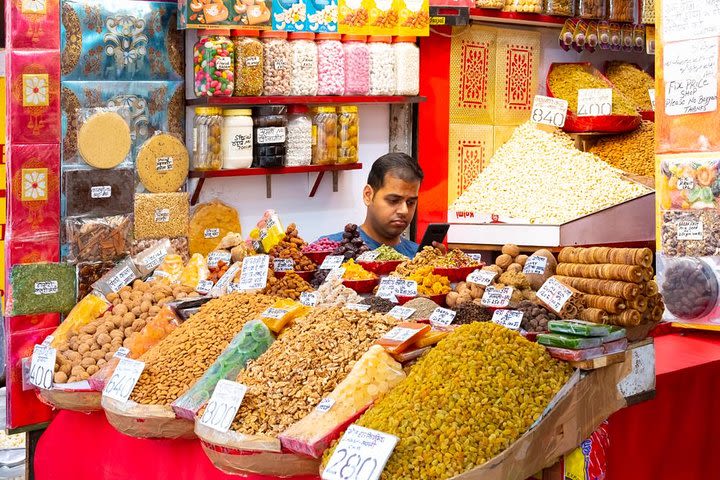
<point x="268" y="186"/>
<point x="196" y="193"/>
<point x="316" y="184"/>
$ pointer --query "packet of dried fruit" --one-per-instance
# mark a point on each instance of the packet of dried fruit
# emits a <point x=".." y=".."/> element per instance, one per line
<point x="267" y="233"/>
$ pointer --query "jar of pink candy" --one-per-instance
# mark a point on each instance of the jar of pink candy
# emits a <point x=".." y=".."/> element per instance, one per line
<point x="331" y="64"/>
<point x="214" y="59"/>
<point x="357" y="65"/>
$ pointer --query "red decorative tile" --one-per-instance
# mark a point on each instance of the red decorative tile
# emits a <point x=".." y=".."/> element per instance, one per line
<point x="33" y="24"/>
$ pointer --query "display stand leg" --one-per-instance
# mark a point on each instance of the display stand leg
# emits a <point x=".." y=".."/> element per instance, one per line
<point x="33" y="437"/>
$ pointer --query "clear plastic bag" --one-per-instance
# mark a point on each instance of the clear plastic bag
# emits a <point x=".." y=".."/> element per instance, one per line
<point x="591" y="9"/>
<point x="163" y="163"/>
<point x="84" y="312"/>
<point x="98" y="192"/>
<point x="210" y="223"/>
<point x="98" y="239"/>
<point x="152" y="257"/>
<point x="104" y="139"/>
<point x="194" y="272"/>
<point x="123" y="274"/>
<point x="179" y="246"/>
<point x="159" y="215"/>
<point x="41" y="288"/>
<point x="562" y="8"/>
<point x="525" y="6"/>
<point x="90" y="272"/>
<point x="621" y="10"/>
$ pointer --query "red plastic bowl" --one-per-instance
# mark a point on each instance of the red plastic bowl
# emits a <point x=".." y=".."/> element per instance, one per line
<point x="439" y="299"/>
<point x="380" y="268"/>
<point x="307" y="276"/>
<point x="362" y="286"/>
<point x="648" y="115"/>
<point x="457" y="274"/>
<point x="317" y="257"/>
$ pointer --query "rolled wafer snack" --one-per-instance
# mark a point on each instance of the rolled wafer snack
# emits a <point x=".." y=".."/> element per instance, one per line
<point x="594" y="315"/>
<point x="628" y="318"/>
<point x="609" y="288"/>
<point x="602" y="271"/>
<point x="620" y="256"/>
<point x="609" y="304"/>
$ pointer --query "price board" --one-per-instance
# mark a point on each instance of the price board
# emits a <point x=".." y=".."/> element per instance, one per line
<point x="309" y="299"/>
<point x="361" y="454"/>
<point x="123" y="379"/>
<point x="223" y="405"/>
<point x="332" y="262"/>
<point x="401" y="313"/>
<point x="549" y="111"/>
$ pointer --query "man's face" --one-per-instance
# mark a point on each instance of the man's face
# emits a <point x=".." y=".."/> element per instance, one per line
<point x="392" y="207"/>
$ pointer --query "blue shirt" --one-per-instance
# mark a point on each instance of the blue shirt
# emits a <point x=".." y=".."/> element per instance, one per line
<point x="406" y="247"/>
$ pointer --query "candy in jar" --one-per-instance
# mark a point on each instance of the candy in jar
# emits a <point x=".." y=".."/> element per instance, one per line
<point x="299" y="137"/>
<point x="348" y="121"/>
<point x="331" y="64"/>
<point x="357" y="65"/>
<point x="207" y="135"/>
<point x="270" y="135"/>
<point x="382" y="65"/>
<point x="277" y="66"/>
<point x="249" y="63"/>
<point x="214" y="59"/>
<point x="304" y="71"/>
<point x="407" y="66"/>
<point x="325" y="142"/>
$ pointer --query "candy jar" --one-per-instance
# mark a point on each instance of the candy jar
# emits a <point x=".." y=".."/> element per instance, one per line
<point x="407" y="66"/>
<point x="249" y="63"/>
<point x="382" y="65"/>
<point x="325" y="142"/>
<point x="331" y="64"/>
<point x="237" y="134"/>
<point x="207" y="138"/>
<point x="299" y="136"/>
<point x="357" y="65"/>
<point x="214" y="59"/>
<point x="304" y="71"/>
<point x="348" y="131"/>
<point x="278" y="57"/>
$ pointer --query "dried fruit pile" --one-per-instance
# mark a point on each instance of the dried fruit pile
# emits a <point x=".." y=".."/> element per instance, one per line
<point x="291" y="247"/>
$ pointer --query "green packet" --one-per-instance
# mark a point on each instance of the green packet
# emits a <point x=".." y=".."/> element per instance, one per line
<point x="616" y="333"/>
<point x="572" y="342"/>
<point x="42" y="288"/>
<point x="579" y="327"/>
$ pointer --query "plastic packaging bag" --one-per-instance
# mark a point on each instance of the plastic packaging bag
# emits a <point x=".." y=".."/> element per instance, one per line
<point x="162" y="163"/>
<point x="159" y="215"/>
<point x="568" y="341"/>
<point x="268" y="232"/>
<point x="570" y="355"/>
<point x="210" y="223"/>
<point x="152" y="257"/>
<point x="616" y="333"/>
<point x="170" y="269"/>
<point x="104" y="138"/>
<point x="123" y="274"/>
<point x="98" y="192"/>
<point x="179" y="246"/>
<point x="195" y="271"/>
<point x="41" y="288"/>
<point x="281" y="313"/>
<point x="579" y="327"/>
<point x="86" y="310"/>
<point x="403" y="336"/>
<point x="98" y="239"/>
<point x="90" y="272"/>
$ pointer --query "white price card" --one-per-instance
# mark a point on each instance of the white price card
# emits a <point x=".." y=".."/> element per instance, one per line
<point x="481" y="277"/>
<point x="101" y="191"/>
<point x="442" y="316"/>
<point x="554" y="294"/>
<point x="123" y="379"/>
<point x="325" y="405"/>
<point x="399" y="334"/>
<point x="683" y="20"/>
<point x="204" y="287"/>
<point x="234" y="287"/>
<point x="401" y="313"/>
<point x="497" y="297"/>
<point x="253" y="275"/>
<point x="152" y="261"/>
<point x="535" y="264"/>
<point x="651" y="93"/>
<point x="335" y="273"/>
<point x="689" y="229"/>
<point x="476" y="256"/>
<point x="121" y="352"/>
<point x="691" y="76"/>
<point x="276" y="313"/>
<point x="46" y="288"/>
<point x="42" y="366"/>
<point x="162" y="215"/>
<point x="224" y="283"/>
<point x="368" y="256"/>
<point x="392" y="286"/>
<point x="361" y="454"/>
<point x="331" y="262"/>
<point x="594" y="102"/>
<point x="120" y="279"/>
<point x="217" y="256"/>
<point x="508" y="318"/>
<point x="283" y="264"/>
<point x="211" y="233"/>
<point x="357" y="306"/>
<point x="223" y="405"/>
<point x="309" y="299"/>
<point x="549" y="111"/>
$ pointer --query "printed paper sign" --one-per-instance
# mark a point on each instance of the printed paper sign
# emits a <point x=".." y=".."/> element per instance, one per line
<point x="508" y="318"/>
<point x="554" y="294"/>
<point x="442" y="316"/>
<point x="253" y="275"/>
<point x="549" y="111"/>
<point x="223" y="405"/>
<point x="497" y="297"/>
<point x="481" y="277"/>
<point x="360" y="454"/>
<point x="123" y="379"/>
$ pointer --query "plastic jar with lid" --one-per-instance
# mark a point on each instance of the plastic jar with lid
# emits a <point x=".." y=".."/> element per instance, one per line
<point x="357" y="65"/>
<point x="621" y="11"/>
<point x="561" y="8"/>
<point x="270" y="135"/>
<point x="591" y="9"/>
<point x="277" y="64"/>
<point x="382" y="65"/>
<point x="249" y="63"/>
<point x="299" y="137"/>
<point x="348" y="132"/>
<point x="304" y="64"/>
<point x="207" y="138"/>
<point x="214" y="64"/>
<point x="407" y="66"/>
<point x="325" y="141"/>
<point x="331" y="64"/>
<point x="237" y="134"/>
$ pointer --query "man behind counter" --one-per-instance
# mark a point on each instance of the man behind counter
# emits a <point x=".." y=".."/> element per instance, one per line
<point x="391" y="197"/>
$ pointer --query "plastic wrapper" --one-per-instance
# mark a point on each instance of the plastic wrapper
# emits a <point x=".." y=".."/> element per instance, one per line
<point x="615" y="347"/>
<point x="163" y="163"/>
<point x="580" y="328"/>
<point x="411" y="354"/>
<point x="146" y="421"/>
<point x="249" y="344"/>
<point x="103" y="138"/>
<point x="267" y="233"/>
<point x="571" y="342"/>
<point x="195" y="271"/>
<point x="524" y="6"/>
<point x="98" y="239"/>
<point x="170" y="269"/>
<point x="221" y="286"/>
<point x="90" y="272"/>
<point x="616" y="333"/>
<point x="591" y="9"/>
<point x="152" y="257"/>
<point x="570" y="355"/>
<point x="621" y="10"/>
<point x="98" y="192"/>
<point x="689" y="184"/>
<point x="374" y="374"/>
<point x="690" y="233"/>
<point x="494" y="4"/>
<point x="281" y="313"/>
<point x="41" y="288"/>
<point x="124" y="273"/>
<point x="179" y="246"/>
<point x="403" y="336"/>
<point x="159" y="215"/>
<point x="563" y="8"/>
<point x="210" y="223"/>
<point x="432" y="337"/>
<point x="689" y="288"/>
<point x="84" y="312"/>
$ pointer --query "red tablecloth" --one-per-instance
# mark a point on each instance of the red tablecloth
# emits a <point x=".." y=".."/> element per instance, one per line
<point x="670" y="437"/>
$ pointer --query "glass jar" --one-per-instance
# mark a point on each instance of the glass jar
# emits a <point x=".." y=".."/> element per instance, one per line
<point x="299" y="137"/>
<point x="621" y="11"/>
<point x="526" y="6"/>
<point x="214" y="64"/>
<point x="357" y="65"/>
<point x="325" y="144"/>
<point x="207" y="138"/>
<point x="277" y="65"/>
<point x="561" y="8"/>
<point x="237" y="145"/>
<point x="591" y="9"/>
<point x="348" y="132"/>
<point x="270" y="134"/>
<point x="304" y="71"/>
<point x="331" y="64"/>
<point x="382" y="66"/>
<point x="249" y="63"/>
<point x="407" y="66"/>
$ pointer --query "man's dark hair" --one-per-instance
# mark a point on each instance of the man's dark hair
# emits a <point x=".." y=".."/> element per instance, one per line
<point x="400" y="165"/>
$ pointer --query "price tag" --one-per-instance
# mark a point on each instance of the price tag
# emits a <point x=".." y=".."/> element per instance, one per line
<point x="685" y="183"/>
<point x="475" y="256"/>
<point x="218" y="256"/>
<point x="549" y="111"/>
<point x="46" y="288"/>
<point x="204" y="287"/>
<point x="331" y="262"/>
<point x="234" y="287"/>
<point x="357" y="306"/>
<point x="48" y="340"/>
<point x="593" y="102"/>
<point x="211" y="233"/>
<point x="401" y="313"/>
<point x="442" y="316"/>
<point x="123" y="379"/>
<point x="283" y="264"/>
<point x="120" y="279"/>
<point x="152" y="261"/>
<point x="368" y="256"/>
<point x="223" y="63"/>
<point x="42" y="366"/>
<point x="121" y="352"/>
<point x="360" y="454"/>
<point x="482" y="277"/>
<point x="690" y="229"/>
<point x="535" y="264"/>
<point x="162" y="215"/>
<point x="325" y="405"/>
<point x="554" y="294"/>
<point x="335" y="273"/>
<point x="223" y="405"/>
<point x="497" y="297"/>
<point x="276" y="313"/>
<point x="399" y="334"/>
<point x="309" y="299"/>
<point x="102" y="191"/>
<point x="164" y="164"/>
<point x="253" y="275"/>
<point x="651" y="92"/>
<point x="508" y="318"/>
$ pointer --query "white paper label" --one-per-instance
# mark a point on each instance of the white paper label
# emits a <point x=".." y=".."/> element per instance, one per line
<point x="554" y="294"/>
<point x="218" y="256"/>
<point x="121" y="352"/>
<point x="279" y="64"/>
<point x="400" y="334"/>
<point x="204" y="286"/>
<point x="123" y="379"/>
<point x="497" y="297"/>
<point x="691" y="74"/>
<point x="252" y="61"/>
<point x="442" y="316"/>
<point x="270" y="135"/>
<point x="392" y="286"/>
<point x="48" y="340"/>
<point x="361" y="454"/>
<point x="164" y="164"/>
<point x="254" y="272"/>
<point x="153" y="260"/>
<point x="103" y="191"/>
<point x="283" y="264"/>
<point x="331" y="262"/>
<point x="689" y="229"/>
<point x="309" y="299"/>
<point x="475" y="256"/>
<point x="276" y="313"/>
<point x="481" y="277"/>
<point x="46" y="288"/>
<point x="549" y="111"/>
<point x="234" y="287"/>
<point x="223" y="63"/>
<point x="211" y="233"/>
<point x="325" y="405"/>
<point x="162" y="215"/>
<point x="685" y="183"/>
<point x="651" y="93"/>
<point x="535" y="264"/>
<point x="508" y="318"/>
<point x="368" y="256"/>
<point x="335" y="273"/>
<point x="42" y="366"/>
<point x="593" y="102"/>
<point x="223" y="405"/>
<point x="120" y="279"/>
<point x="401" y="313"/>
<point x="361" y="307"/>
<point x="683" y="20"/>
<point x="222" y="284"/>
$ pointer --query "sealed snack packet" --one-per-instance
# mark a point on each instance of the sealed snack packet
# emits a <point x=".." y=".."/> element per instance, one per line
<point x="195" y="271"/>
<point x="171" y="268"/>
<point x="268" y="232"/>
<point x="281" y="313"/>
<point x="84" y="312"/>
<point x="401" y="337"/>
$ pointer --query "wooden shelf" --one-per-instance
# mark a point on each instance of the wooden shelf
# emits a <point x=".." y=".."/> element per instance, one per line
<point x="517" y="18"/>
<point x="314" y="100"/>
<point x="201" y="175"/>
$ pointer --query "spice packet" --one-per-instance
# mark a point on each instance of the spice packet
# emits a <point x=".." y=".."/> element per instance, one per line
<point x="41" y="288"/>
<point x="123" y="274"/>
<point x="98" y="192"/>
<point x="98" y="239"/>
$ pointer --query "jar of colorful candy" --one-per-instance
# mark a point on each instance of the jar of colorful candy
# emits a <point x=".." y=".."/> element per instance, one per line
<point x="214" y="59"/>
<point x="357" y="65"/>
